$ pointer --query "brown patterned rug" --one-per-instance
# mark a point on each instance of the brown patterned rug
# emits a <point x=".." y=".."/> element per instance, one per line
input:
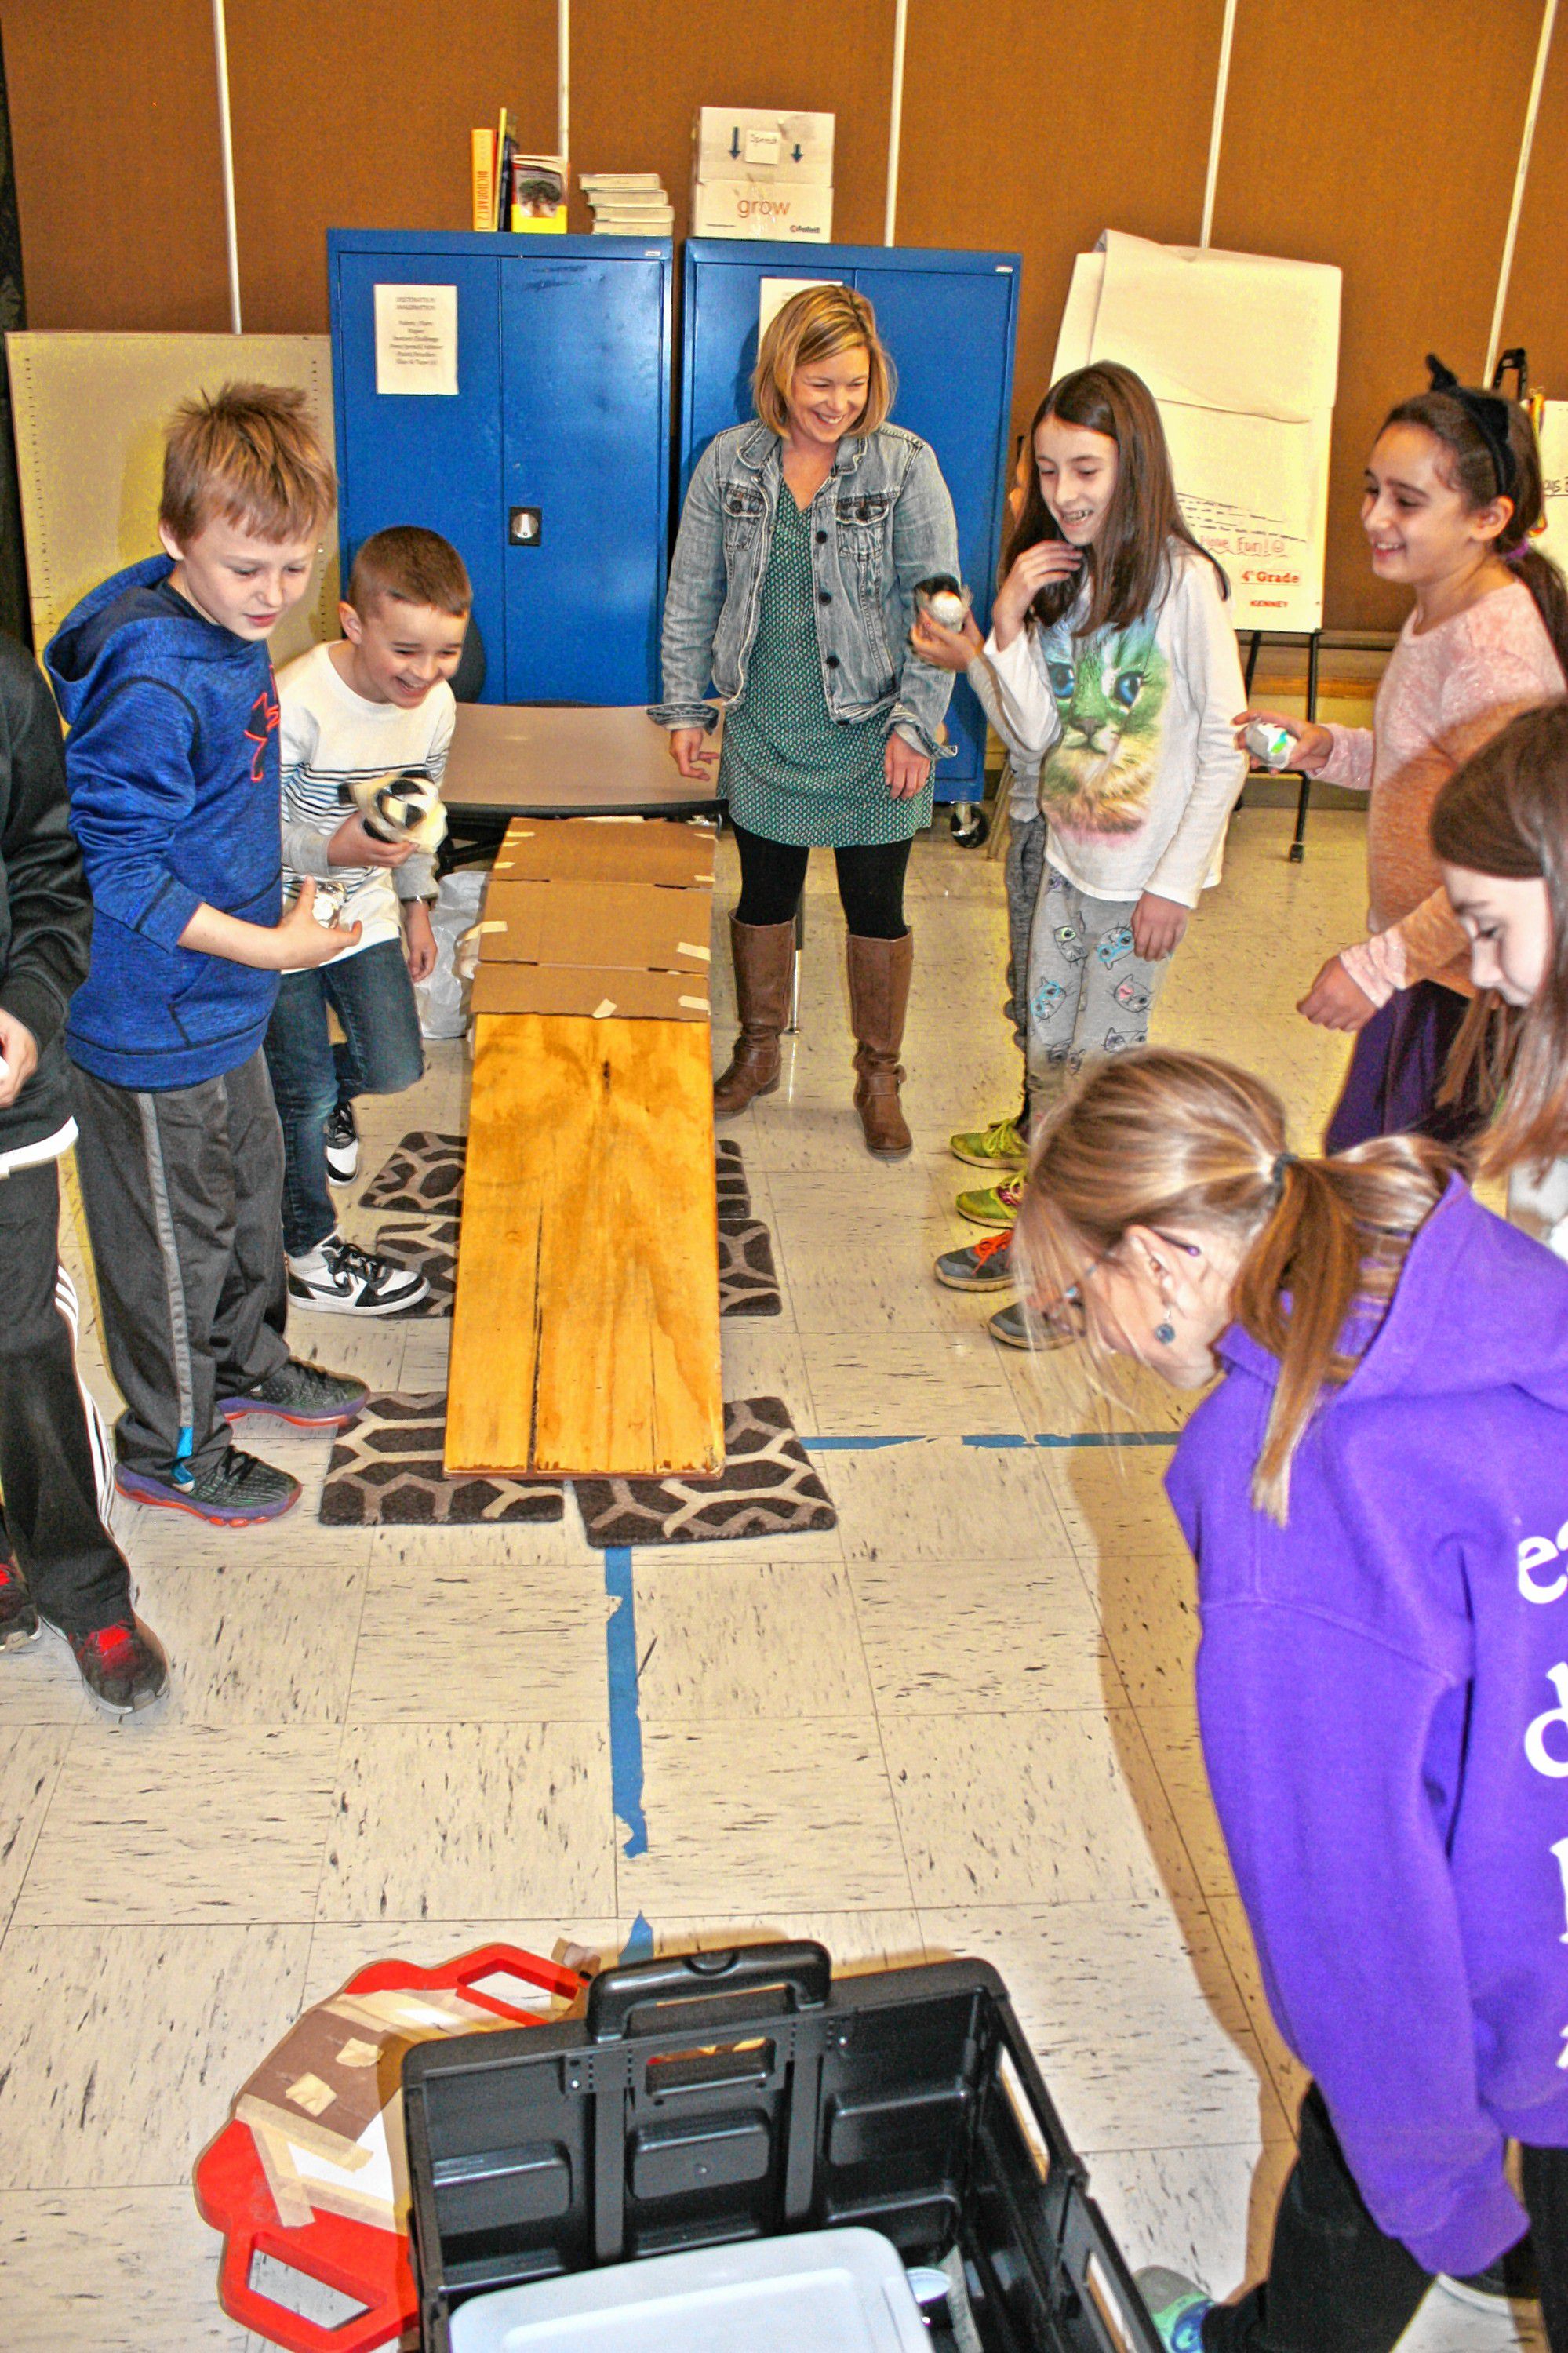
<point x="385" y="1471"/>
<point x="431" y="1245"/>
<point x="423" y="1177"/>
<point x="423" y="1181"/>
<point x="748" y="1279"/>
<point x="729" y="1180"/>
<point x="768" y="1488"/>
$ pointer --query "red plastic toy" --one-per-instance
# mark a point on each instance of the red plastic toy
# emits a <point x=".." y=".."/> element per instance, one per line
<point x="368" y="2265"/>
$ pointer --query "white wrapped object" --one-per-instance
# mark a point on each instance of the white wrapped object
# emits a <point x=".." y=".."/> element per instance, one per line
<point x="444" y="998"/>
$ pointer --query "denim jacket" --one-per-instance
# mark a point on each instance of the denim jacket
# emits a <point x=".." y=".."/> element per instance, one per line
<point x="882" y="521"/>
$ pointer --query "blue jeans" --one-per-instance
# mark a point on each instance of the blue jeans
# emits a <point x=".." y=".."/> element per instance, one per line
<point x="372" y="997"/>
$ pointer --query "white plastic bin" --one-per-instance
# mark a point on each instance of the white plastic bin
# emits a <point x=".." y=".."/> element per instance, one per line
<point x="822" y="2292"/>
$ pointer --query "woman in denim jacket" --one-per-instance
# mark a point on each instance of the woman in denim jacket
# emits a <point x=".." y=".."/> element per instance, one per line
<point x="791" y="591"/>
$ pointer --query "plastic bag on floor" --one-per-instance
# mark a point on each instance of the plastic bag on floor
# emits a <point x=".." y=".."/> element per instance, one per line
<point x="444" y="998"/>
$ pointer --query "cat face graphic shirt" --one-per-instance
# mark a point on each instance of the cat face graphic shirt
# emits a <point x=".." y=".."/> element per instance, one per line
<point x="1110" y="693"/>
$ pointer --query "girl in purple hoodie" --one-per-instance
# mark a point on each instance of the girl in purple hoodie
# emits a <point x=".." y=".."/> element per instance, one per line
<point x="1376" y="1495"/>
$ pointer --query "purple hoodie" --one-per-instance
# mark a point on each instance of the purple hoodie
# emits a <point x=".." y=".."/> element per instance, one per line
<point x="1382" y="1687"/>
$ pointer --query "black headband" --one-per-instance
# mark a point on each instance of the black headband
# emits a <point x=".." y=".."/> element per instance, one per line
<point x="1488" y="412"/>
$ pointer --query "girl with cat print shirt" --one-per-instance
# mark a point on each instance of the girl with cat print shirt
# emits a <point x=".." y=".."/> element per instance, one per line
<point x="1112" y="666"/>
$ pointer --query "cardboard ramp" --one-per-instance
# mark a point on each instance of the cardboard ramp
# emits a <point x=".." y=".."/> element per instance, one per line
<point x="584" y="1332"/>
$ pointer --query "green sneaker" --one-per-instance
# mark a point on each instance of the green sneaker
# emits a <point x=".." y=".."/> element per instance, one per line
<point x="1001" y="1147"/>
<point x="994" y="1205"/>
<point x="1176" y="2307"/>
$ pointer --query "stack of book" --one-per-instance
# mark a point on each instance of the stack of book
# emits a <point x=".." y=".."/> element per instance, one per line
<point x="628" y="204"/>
<point x="515" y="190"/>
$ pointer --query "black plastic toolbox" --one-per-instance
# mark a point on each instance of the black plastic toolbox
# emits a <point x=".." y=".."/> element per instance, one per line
<point x="716" y="2097"/>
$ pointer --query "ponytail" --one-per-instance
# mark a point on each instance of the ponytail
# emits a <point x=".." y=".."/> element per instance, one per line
<point x="1550" y="590"/>
<point x="1154" y="1138"/>
<point x="1317" y="1281"/>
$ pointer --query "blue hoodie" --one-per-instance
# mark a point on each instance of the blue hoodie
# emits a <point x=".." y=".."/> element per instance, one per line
<point x="176" y="799"/>
<point x="1383" y="1688"/>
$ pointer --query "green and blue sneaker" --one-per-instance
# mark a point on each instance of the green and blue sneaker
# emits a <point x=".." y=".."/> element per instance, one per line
<point x="1177" y="2308"/>
<point x="1002" y="1145"/>
<point x="992" y="1205"/>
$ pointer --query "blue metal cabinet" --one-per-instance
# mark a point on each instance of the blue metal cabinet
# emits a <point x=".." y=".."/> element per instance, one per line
<point x="950" y="321"/>
<point x="549" y="467"/>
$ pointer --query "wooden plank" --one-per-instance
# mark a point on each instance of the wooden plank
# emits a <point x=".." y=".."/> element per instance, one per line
<point x="585" y="1335"/>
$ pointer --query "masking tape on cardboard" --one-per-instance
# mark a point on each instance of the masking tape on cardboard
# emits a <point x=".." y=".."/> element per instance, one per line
<point x="491" y="923"/>
<point x="687" y="947"/>
<point x="604" y="1008"/>
<point x="694" y="1004"/>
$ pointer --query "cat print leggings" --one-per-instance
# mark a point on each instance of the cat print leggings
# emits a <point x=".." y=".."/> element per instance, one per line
<point x="1089" y="994"/>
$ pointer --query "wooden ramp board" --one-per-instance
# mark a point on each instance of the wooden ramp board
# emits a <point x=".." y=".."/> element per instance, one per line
<point x="585" y="1332"/>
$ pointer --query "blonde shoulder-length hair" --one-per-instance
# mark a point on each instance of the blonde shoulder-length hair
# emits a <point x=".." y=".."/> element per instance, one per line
<point x="817" y="324"/>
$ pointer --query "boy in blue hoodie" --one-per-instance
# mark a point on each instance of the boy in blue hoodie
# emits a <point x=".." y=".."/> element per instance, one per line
<point x="1376" y="1495"/>
<point x="172" y="762"/>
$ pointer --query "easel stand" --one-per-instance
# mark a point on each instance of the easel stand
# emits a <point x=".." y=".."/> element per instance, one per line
<point x="1313" y="639"/>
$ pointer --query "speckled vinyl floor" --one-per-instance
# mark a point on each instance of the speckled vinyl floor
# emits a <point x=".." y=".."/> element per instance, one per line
<point x="963" y="1723"/>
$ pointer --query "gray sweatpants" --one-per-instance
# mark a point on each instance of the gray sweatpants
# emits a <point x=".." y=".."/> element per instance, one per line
<point x="1089" y="995"/>
<point x="183" y="1192"/>
<point x="1025" y="871"/>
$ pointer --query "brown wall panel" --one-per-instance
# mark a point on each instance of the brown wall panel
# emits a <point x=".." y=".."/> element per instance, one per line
<point x="114" y="123"/>
<point x="1536" y="313"/>
<point x="1027" y="129"/>
<point x="641" y="67"/>
<point x="348" y="116"/>
<point x="1382" y="136"/>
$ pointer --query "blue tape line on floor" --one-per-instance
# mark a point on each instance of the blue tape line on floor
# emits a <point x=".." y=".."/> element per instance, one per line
<point x="625" y="1718"/>
<point x="1003" y="1437"/>
<point x="638" y="1945"/>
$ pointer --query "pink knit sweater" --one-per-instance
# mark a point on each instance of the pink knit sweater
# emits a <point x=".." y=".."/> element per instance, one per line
<point x="1443" y="694"/>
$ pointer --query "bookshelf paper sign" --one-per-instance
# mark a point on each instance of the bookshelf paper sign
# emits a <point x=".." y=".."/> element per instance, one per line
<point x="416" y="339"/>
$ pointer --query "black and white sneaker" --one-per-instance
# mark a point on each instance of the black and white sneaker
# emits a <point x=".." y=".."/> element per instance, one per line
<point x="340" y="1278"/>
<point x="343" y="1144"/>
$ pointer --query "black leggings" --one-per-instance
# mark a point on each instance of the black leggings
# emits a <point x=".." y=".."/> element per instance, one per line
<point x="870" y="883"/>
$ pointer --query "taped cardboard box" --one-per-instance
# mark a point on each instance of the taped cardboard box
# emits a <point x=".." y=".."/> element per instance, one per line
<point x="790" y="214"/>
<point x="747" y="143"/>
<point x="605" y="849"/>
<point x="590" y="996"/>
<point x="604" y="927"/>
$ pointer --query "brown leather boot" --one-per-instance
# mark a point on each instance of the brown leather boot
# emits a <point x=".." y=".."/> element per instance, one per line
<point x="879" y="974"/>
<point x="764" y="968"/>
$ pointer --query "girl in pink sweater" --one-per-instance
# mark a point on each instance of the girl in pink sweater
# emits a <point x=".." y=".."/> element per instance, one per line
<point x="1453" y="491"/>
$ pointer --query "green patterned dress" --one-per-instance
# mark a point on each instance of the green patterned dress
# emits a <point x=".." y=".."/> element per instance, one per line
<point x="789" y="771"/>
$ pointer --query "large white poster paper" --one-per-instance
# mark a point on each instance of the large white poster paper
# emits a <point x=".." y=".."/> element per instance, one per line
<point x="1241" y="353"/>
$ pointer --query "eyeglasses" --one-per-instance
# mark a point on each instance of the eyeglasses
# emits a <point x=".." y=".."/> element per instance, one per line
<point x="1067" y="1315"/>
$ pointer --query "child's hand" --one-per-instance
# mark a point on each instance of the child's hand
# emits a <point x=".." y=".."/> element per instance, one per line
<point x="1158" y="927"/>
<point x="690" y="751"/>
<point x="1335" y="1001"/>
<point x="946" y="649"/>
<point x="1313" y="743"/>
<point x="19" y="1056"/>
<point x="1047" y="560"/>
<point x="418" y="940"/>
<point x="353" y="845"/>
<point x="300" y="942"/>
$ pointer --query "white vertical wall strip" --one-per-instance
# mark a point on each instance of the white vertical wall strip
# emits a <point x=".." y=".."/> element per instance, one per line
<point x="895" y="120"/>
<point x="1548" y="19"/>
<point x="226" y="154"/>
<point x="563" y="79"/>
<point x="1217" y="127"/>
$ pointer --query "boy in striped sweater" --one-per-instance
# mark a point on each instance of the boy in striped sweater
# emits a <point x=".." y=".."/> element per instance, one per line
<point x="378" y="699"/>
